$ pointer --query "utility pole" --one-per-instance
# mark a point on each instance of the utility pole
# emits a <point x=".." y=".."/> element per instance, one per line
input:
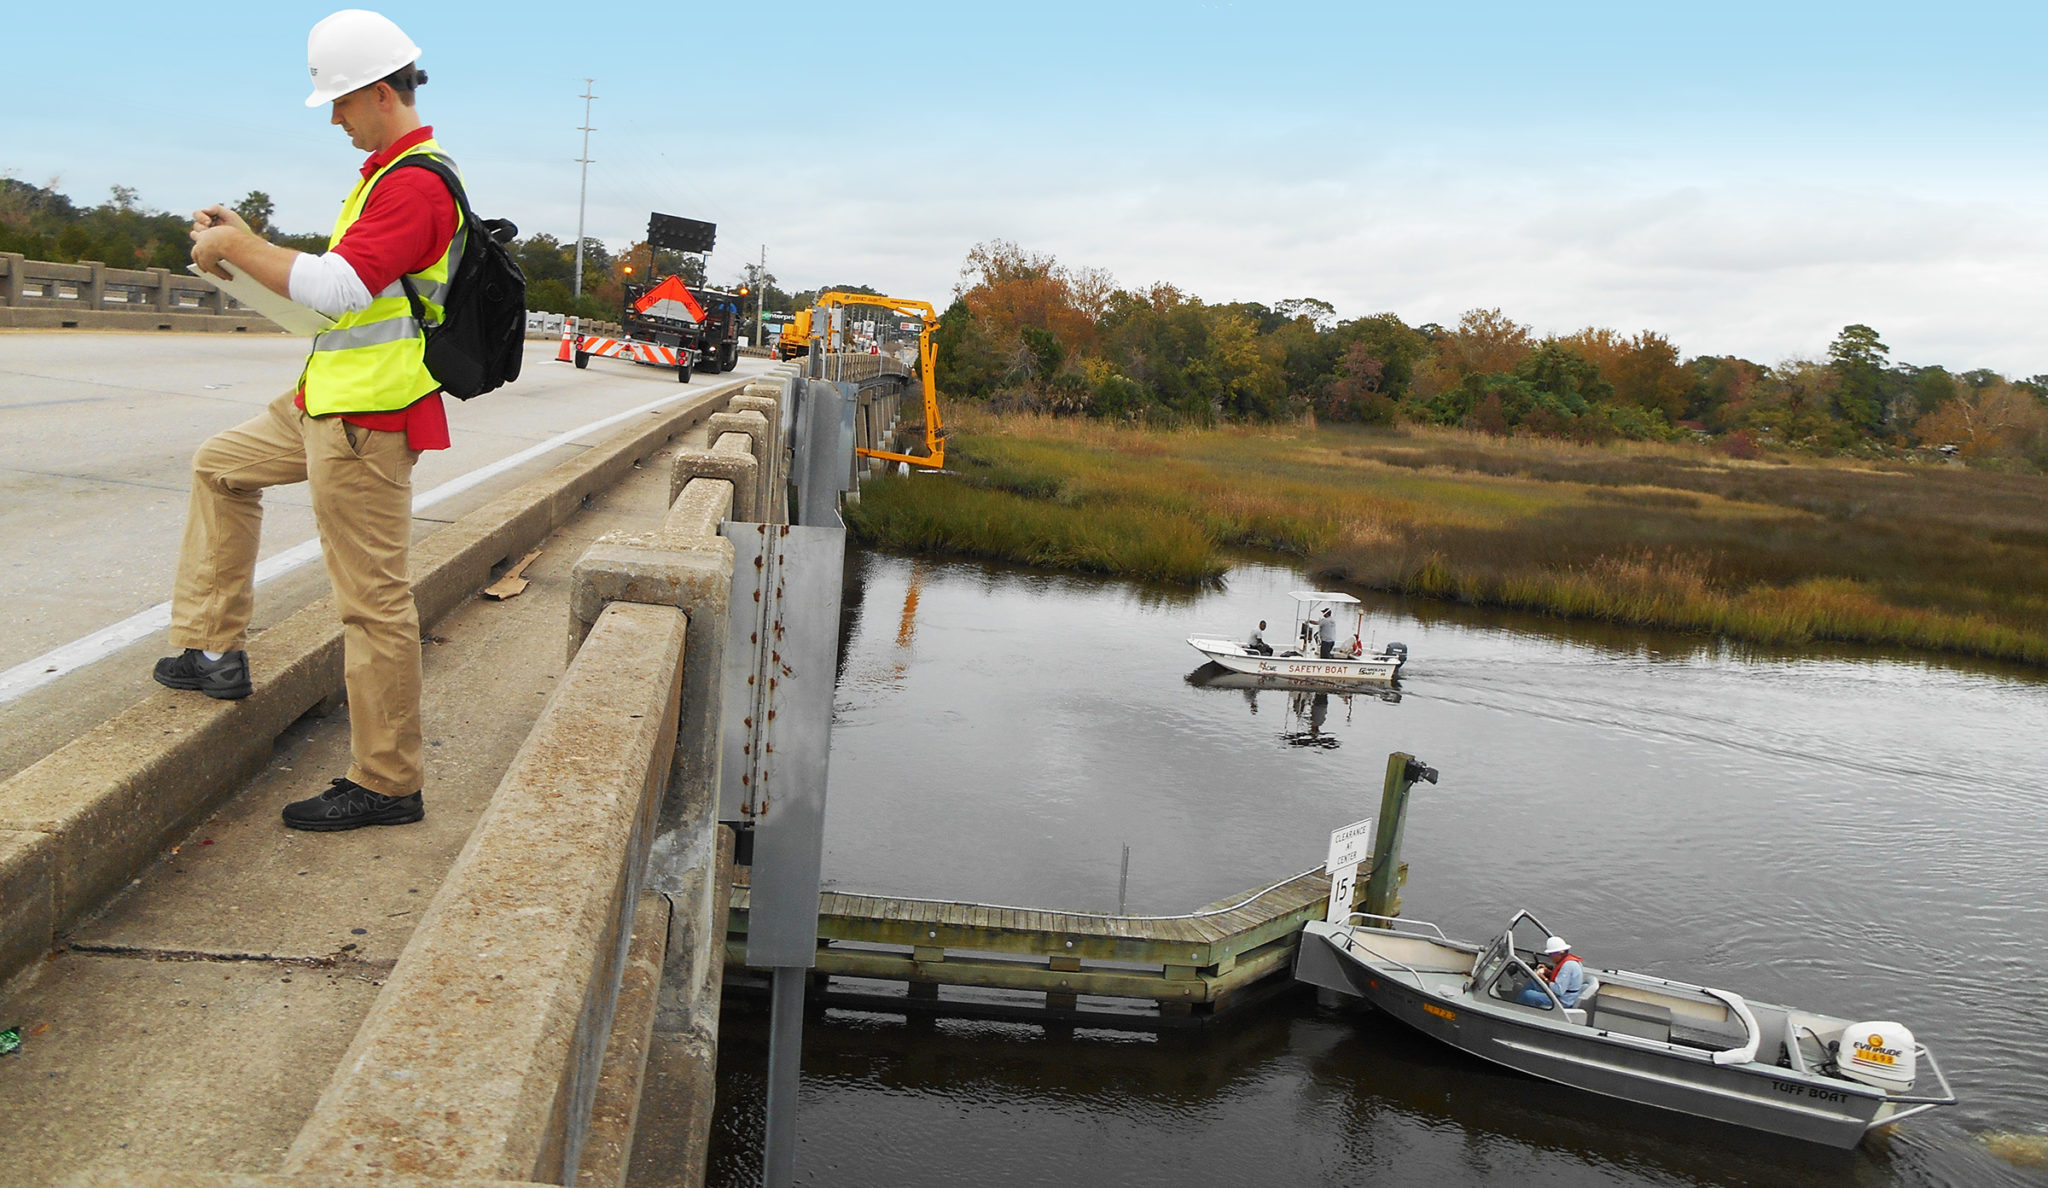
<point x="583" y="190"/>
<point x="760" y="293"/>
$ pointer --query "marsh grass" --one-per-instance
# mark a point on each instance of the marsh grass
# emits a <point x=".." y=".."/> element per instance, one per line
<point x="1661" y="535"/>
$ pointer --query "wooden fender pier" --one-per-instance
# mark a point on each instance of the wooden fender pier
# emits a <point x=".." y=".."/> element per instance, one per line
<point x="1158" y="971"/>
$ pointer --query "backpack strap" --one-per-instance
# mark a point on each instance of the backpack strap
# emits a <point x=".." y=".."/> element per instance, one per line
<point x="501" y="230"/>
<point x="444" y="169"/>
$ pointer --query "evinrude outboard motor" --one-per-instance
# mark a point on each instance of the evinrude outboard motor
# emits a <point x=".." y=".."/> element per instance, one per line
<point x="1878" y="1054"/>
<point x="1399" y="651"/>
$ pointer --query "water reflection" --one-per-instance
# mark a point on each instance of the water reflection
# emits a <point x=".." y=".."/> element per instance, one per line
<point x="1305" y="704"/>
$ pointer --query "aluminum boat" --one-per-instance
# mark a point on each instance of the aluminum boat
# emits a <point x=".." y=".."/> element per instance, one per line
<point x="1692" y="1049"/>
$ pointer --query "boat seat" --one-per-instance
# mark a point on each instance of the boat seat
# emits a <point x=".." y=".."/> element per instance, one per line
<point x="1577" y="1014"/>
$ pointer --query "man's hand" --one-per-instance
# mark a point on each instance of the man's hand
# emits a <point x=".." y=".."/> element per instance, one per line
<point x="220" y="234"/>
<point x="216" y="216"/>
<point x="211" y="244"/>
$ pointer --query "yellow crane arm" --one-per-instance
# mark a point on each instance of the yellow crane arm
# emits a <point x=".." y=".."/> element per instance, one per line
<point x="927" y="366"/>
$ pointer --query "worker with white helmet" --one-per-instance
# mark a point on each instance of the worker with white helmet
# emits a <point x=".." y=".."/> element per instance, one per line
<point x="363" y="409"/>
<point x="1562" y="969"/>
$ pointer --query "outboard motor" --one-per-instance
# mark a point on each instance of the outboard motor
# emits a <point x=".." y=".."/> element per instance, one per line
<point x="1878" y="1054"/>
<point x="1399" y="651"/>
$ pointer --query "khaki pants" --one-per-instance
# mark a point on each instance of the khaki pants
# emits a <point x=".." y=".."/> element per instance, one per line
<point x="361" y="484"/>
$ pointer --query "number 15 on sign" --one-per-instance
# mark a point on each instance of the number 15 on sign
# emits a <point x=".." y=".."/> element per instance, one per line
<point x="1347" y="851"/>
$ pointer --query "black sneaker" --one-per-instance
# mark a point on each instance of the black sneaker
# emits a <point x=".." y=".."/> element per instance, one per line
<point x="348" y="805"/>
<point x="225" y="679"/>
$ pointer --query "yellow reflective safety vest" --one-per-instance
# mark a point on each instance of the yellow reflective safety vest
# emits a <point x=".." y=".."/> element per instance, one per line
<point x="373" y="360"/>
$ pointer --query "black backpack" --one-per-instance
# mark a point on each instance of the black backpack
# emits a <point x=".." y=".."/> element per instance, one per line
<point x="481" y="338"/>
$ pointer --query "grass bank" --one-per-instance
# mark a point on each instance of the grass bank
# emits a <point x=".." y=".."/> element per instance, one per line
<point x="1665" y="536"/>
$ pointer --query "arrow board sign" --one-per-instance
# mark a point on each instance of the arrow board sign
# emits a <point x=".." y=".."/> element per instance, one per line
<point x="670" y="299"/>
<point x="1350" y="845"/>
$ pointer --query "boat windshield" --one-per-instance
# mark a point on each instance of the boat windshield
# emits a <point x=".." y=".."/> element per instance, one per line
<point x="1491" y="958"/>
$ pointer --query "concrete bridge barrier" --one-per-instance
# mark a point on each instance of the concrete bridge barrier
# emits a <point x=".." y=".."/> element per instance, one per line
<point x="685" y="568"/>
<point x="509" y="1042"/>
<point x="480" y="1057"/>
<point x="42" y="295"/>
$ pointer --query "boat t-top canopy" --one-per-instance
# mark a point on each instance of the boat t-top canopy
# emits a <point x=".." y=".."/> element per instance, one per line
<point x="1320" y="596"/>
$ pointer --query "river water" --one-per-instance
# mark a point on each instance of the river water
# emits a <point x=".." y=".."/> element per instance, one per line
<point x="1854" y="833"/>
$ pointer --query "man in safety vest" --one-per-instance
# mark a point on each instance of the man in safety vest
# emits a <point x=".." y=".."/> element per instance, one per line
<point x="364" y="408"/>
<point x="1562" y="969"/>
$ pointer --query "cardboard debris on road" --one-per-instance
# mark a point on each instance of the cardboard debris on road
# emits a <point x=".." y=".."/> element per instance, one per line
<point x="511" y="584"/>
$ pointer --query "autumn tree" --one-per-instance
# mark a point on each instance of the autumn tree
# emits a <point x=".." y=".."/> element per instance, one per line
<point x="1011" y="289"/>
<point x="1645" y="371"/>
<point x="1486" y="342"/>
<point x="1996" y="421"/>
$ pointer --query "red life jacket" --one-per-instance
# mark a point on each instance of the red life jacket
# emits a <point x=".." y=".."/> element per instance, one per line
<point x="1568" y="955"/>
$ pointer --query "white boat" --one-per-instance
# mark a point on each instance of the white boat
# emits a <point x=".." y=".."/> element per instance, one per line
<point x="1299" y="658"/>
<point x="1693" y="1049"/>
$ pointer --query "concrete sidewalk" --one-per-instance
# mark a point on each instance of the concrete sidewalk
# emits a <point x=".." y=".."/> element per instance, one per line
<point x="195" y="1020"/>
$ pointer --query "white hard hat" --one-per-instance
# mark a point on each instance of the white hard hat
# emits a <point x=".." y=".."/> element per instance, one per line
<point x="1554" y="945"/>
<point x="352" y="49"/>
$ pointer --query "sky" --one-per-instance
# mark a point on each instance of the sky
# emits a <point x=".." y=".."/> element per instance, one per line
<point x="1744" y="178"/>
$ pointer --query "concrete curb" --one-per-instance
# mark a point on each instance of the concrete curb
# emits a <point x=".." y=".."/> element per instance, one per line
<point x="79" y="823"/>
<point x="131" y="321"/>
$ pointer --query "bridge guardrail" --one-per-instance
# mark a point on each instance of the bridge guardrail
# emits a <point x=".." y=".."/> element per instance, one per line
<point x="613" y="791"/>
<point x="42" y="294"/>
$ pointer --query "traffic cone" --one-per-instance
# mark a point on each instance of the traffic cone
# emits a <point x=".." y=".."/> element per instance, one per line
<point x="566" y="354"/>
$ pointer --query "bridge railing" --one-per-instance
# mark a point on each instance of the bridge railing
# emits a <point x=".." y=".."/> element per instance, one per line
<point x="504" y="1005"/>
<point x="88" y="294"/>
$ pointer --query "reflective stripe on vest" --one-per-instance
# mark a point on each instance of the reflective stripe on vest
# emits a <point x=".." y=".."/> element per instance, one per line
<point x="373" y="360"/>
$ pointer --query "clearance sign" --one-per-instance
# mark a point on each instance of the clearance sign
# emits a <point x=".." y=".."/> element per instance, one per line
<point x="1349" y="847"/>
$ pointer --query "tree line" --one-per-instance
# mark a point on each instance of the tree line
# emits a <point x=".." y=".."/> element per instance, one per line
<point x="43" y="224"/>
<point x="1025" y="332"/>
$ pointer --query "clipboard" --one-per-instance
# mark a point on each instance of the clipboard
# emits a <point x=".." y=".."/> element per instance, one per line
<point x="288" y="314"/>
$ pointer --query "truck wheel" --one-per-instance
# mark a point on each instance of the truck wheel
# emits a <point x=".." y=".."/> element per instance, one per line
<point x="582" y="360"/>
<point x="729" y="357"/>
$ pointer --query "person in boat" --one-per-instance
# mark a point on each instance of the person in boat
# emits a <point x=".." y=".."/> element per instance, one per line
<point x="1326" y="633"/>
<point x="1562" y="969"/>
<point x="1257" y="643"/>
